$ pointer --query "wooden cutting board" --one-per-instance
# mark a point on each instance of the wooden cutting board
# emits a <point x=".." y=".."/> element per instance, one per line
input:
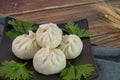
<point x="86" y="56"/>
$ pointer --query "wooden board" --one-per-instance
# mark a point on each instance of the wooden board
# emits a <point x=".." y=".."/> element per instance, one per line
<point x="86" y="56"/>
<point x="41" y="11"/>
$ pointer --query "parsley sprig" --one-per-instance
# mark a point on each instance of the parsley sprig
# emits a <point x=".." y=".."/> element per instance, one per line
<point x="73" y="28"/>
<point x="20" y="27"/>
<point x="15" y="71"/>
<point x="77" y="72"/>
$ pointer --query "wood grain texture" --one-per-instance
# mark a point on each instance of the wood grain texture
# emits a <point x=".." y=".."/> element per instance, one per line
<point x="43" y="11"/>
<point x="25" y="6"/>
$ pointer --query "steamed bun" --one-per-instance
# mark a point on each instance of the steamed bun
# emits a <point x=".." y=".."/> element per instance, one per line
<point x="25" y="46"/>
<point x="49" y="61"/>
<point x="72" y="46"/>
<point x="49" y="35"/>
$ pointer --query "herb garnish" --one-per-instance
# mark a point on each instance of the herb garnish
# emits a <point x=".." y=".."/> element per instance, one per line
<point x="20" y="27"/>
<point x="15" y="71"/>
<point x="73" y="28"/>
<point x="77" y="72"/>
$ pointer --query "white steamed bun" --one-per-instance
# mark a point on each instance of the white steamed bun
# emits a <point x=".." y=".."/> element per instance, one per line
<point x="49" y="61"/>
<point x="72" y="46"/>
<point x="25" y="46"/>
<point x="49" y="35"/>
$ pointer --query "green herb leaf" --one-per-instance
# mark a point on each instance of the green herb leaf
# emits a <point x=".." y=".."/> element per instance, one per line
<point x="77" y="72"/>
<point x="28" y="25"/>
<point x="12" y="33"/>
<point x="84" y="70"/>
<point x="15" y="71"/>
<point x="68" y="73"/>
<point x="20" y="27"/>
<point x="73" y="28"/>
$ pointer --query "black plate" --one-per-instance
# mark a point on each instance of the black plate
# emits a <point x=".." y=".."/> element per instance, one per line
<point x="85" y="57"/>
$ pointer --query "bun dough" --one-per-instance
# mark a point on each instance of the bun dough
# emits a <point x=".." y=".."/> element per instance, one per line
<point x="71" y="45"/>
<point x="49" y="35"/>
<point x="49" y="61"/>
<point x="25" y="46"/>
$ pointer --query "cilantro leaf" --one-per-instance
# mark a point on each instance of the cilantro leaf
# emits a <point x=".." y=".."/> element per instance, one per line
<point x="17" y="25"/>
<point x="12" y="33"/>
<point x="15" y="71"/>
<point x="20" y="27"/>
<point x="68" y="74"/>
<point x="73" y="28"/>
<point x="77" y="72"/>
<point x="28" y="25"/>
<point x="84" y="70"/>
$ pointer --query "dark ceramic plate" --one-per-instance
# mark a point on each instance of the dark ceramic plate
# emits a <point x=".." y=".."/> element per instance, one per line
<point x="84" y="58"/>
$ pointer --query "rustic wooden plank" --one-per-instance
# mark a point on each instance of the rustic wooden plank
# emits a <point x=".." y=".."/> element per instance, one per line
<point x="65" y="11"/>
<point x="76" y="13"/>
<point x="59" y="15"/>
<point x="12" y="7"/>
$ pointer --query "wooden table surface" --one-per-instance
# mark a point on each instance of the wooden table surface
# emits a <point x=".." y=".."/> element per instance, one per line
<point x="58" y="11"/>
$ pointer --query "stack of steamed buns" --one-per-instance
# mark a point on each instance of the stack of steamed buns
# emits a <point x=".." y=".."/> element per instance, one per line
<point x="48" y="48"/>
